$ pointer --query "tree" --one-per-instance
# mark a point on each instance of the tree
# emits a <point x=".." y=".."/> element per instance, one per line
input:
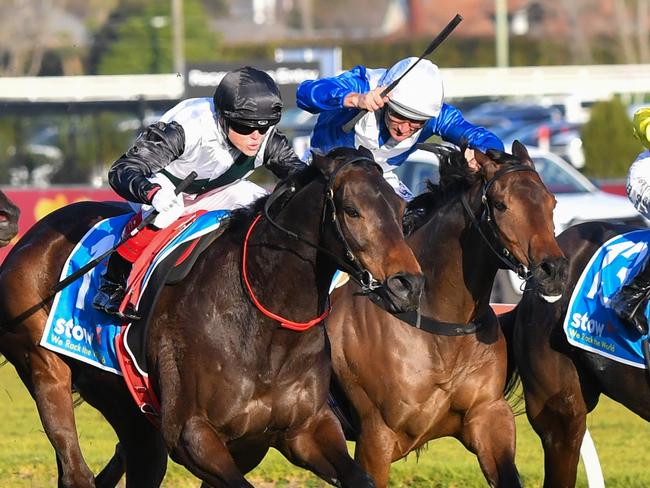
<point x="139" y="39"/>
<point x="46" y="36"/>
<point x="608" y="142"/>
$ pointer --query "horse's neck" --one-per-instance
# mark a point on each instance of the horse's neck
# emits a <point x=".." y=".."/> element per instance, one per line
<point x="458" y="265"/>
<point x="291" y="279"/>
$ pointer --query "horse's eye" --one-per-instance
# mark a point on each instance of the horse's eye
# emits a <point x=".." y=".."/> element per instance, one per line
<point x="351" y="212"/>
<point x="500" y="206"/>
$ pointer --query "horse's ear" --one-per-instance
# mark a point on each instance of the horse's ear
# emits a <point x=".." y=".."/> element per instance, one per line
<point x="324" y="164"/>
<point x="521" y="153"/>
<point x="366" y="153"/>
<point x="488" y="166"/>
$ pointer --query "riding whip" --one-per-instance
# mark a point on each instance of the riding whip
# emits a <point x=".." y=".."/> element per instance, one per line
<point x="434" y="44"/>
<point x="182" y="186"/>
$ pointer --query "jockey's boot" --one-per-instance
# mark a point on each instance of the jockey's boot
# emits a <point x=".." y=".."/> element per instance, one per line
<point x="629" y="302"/>
<point x="113" y="288"/>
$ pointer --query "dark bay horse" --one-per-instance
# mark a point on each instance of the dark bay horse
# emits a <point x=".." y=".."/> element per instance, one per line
<point x="563" y="383"/>
<point x="402" y="386"/>
<point x="232" y="382"/>
<point x="9" y="214"/>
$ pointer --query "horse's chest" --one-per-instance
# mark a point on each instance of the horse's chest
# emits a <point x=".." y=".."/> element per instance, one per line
<point x="280" y="395"/>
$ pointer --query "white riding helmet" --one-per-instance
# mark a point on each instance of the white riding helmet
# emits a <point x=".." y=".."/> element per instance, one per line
<point x="419" y="94"/>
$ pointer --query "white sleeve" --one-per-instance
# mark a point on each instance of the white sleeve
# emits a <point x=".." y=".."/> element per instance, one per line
<point x="638" y="183"/>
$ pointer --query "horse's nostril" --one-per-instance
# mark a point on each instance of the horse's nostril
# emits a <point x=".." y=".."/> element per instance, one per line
<point x="556" y="268"/>
<point x="548" y="267"/>
<point x="405" y="285"/>
<point x="399" y="284"/>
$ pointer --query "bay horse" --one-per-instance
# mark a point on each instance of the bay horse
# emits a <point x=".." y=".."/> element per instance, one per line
<point x="404" y="379"/>
<point x="9" y="214"/>
<point x="562" y="383"/>
<point x="231" y="381"/>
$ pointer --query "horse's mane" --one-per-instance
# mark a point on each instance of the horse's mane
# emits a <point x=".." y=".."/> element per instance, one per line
<point x="241" y="218"/>
<point x="455" y="178"/>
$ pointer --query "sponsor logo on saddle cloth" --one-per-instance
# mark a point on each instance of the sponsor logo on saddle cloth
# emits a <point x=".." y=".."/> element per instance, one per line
<point x="589" y="323"/>
<point x="74" y="328"/>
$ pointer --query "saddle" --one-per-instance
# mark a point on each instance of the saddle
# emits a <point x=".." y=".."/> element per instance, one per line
<point x="590" y="322"/>
<point x="145" y="284"/>
<point x="76" y="329"/>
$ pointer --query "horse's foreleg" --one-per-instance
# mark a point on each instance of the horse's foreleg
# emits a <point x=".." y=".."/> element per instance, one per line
<point x="201" y="451"/>
<point x="112" y="473"/>
<point x="489" y="432"/>
<point x="51" y="386"/>
<point x="555" y="406"/>
<point x="374" y="450"/>
<point x="561" y="427"/>
<point x="320" y="447"/>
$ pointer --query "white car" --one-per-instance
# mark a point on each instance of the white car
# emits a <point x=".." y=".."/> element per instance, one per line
<point x="578" y="200"/>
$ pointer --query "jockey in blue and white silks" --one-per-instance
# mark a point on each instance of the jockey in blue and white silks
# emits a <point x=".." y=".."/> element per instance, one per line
<point x="413" y="112"/>
<point x="629" y="303"/>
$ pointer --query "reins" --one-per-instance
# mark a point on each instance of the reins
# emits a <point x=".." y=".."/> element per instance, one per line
<point x="428" y="324"/>
<point x="289" y="324"/>
<point x="352" y="266"/>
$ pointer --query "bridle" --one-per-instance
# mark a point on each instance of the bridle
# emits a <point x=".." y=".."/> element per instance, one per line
<point x="351" y="264"/>
<point x="487" y="220"/>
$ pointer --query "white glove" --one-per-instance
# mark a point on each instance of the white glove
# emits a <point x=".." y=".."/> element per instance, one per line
<point x="168" y="205"/>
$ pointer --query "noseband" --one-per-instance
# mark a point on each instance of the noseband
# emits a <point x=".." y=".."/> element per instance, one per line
<point x="351" y="264"/>
<point x="510" y="261"/>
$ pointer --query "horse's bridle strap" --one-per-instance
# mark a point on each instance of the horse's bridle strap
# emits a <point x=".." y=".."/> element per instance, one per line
<point x="506" y="257"/>
<point x="427" y="324"/>
<point x="351" y="265"/>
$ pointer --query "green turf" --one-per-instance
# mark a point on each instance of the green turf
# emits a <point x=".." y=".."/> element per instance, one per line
<point x="27" y="459"/>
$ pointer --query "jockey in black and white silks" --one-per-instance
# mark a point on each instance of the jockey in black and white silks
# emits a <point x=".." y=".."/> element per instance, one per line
<point x="223" y="139"/>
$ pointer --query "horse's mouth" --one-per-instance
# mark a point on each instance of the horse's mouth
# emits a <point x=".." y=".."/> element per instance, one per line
<point x="550" y="298"/>
<point x="384" y="301"/>
<point x="550" y="292"/>
<point x="383" y="298"/>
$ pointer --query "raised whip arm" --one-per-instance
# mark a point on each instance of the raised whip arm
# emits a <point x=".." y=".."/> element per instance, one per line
<point x="444" y="33"/>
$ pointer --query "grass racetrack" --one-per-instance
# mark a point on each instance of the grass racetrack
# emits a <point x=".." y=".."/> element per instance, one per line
<point x="27" y="458"/>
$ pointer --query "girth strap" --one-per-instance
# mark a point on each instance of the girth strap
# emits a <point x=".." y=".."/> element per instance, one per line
<point x="432" y="326"/>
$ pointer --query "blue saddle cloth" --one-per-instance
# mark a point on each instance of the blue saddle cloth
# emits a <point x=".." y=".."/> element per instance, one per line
<point x="589" y="323"/>
<point x="74" y="328"/>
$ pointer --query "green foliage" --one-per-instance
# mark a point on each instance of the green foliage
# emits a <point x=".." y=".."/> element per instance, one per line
<point x="141" y="41"/>
<point x="608" y="143"/>
<point x="455" y="52"/>
<point x="90" y="144"/>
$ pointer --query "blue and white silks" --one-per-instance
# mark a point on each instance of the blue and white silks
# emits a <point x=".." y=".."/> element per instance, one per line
<point x="325" y="97"/>
<point x="74" y="328"/>
<point x="589" y="323"/>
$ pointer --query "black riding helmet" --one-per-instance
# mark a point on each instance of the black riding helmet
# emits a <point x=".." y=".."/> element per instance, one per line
<point x="250" y="97"/>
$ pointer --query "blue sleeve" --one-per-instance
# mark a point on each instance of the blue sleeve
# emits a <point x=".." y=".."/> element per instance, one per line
<point x="452" y="127"/>
<point x="316" y="96"/>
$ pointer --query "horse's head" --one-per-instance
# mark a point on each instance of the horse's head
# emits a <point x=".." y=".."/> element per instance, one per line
<point x="518" y="210"/>
<point x="364" y="215"/>
<point x="9" y="214"/>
